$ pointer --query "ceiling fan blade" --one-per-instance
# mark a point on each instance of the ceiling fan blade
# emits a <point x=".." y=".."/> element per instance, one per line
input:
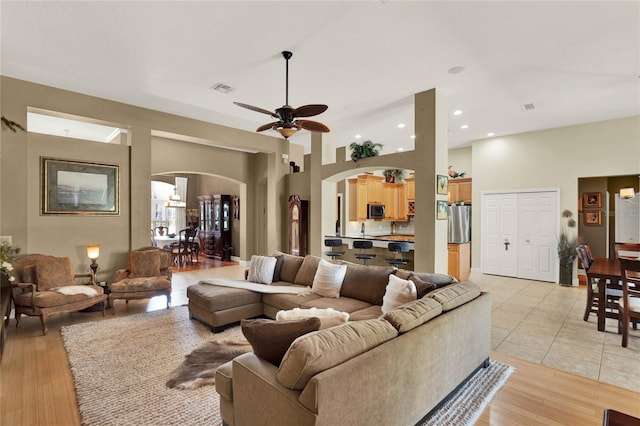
<point x="257" y="109"/>
<point x="266" y="126"/>
<point x="309" y="110"/>
<point x="313" y="126"/>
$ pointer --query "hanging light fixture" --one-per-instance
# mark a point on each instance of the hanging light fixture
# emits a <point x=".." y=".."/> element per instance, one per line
<point x="627" y="193"/>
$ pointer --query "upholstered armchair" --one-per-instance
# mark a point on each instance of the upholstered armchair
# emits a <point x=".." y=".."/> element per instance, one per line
<point x="148" y="275"/>
<point x="46" y="285"/>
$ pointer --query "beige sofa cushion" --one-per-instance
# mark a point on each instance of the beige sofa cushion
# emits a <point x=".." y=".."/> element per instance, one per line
<point x="324" y="349"/>
<point x="455" y="295"/>
<point x="366" y="283"/>
<point x="271" y="339"/>
<point x="413" y="314"/>
<point x="307" y="270"/>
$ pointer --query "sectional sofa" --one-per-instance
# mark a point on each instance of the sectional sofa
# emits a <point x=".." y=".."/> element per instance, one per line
<point x="378" y="368"/>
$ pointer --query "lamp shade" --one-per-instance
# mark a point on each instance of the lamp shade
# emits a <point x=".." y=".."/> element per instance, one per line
<point x="93" y="251"/>
<point x="627" y="193"/>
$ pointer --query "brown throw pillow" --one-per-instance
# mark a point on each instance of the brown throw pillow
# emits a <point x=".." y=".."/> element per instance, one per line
<point x="422" y="287"/>
<point x="278" y="268"/>
<point x="271" y="339"/>
<point x="53" y="272"/>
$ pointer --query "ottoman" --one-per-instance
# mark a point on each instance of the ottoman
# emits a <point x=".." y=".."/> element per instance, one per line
<point x="219" y="306"/>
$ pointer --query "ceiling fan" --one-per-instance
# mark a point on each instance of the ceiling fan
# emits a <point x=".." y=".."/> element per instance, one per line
<point x="288" y="117"/>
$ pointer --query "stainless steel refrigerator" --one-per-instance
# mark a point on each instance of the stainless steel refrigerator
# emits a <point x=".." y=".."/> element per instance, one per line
<point x="459" y="224"/>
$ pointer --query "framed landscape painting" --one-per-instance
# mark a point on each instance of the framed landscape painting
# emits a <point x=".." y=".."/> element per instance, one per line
<point x="441" y="210"/>
<point x="80" y="188"/>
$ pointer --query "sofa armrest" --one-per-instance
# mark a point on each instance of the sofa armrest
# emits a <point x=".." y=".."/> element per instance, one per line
<point x="257" y="394"/>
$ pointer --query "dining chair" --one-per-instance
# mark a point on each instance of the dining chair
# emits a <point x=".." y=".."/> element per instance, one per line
<point x="626" y="249"/>
<point x="630" y="300"/>
<point x="612" y="293"/>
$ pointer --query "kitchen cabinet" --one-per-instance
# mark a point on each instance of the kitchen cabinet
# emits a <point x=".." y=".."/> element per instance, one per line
<point x="411" y="188"/>
<point x="363" y="190"/>
<point x="460" y="190"/>
<point x="459" y="257"/>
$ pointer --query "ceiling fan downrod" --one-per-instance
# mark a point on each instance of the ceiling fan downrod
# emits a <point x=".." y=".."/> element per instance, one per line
<point x="287" y="55"/>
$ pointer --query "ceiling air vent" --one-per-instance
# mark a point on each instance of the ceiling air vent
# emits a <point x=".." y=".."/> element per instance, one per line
<point x="528" y="107"/>
<point x="222" y="88"/>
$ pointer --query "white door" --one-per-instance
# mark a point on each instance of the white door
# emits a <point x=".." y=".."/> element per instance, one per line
<point x="627" y="220"/>
<point x="500" y="239"/>
<point x="537" y="224"/>
<point x="519" y="235"/>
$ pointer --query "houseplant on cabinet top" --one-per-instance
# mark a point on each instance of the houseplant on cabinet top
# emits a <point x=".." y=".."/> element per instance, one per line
<point x="567" y="244"/>
<point x="393" y="175"/>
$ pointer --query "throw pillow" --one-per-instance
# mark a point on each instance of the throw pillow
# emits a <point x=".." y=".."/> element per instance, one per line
<point x="307" y="270"/>
<point x="398" y="292"/>
<point x="144" y="263"/>
<point x="422" y="287"/>
<point x="278" y="268"/>
<point x="324" y="349"/>
<point x="261" y="269"/>
<point x="53" y="272"/>
<point x="329" y="317"/>
<point x="328" y="279"/>
<point x="290" y="266"/>
<point x="271" y="339"/>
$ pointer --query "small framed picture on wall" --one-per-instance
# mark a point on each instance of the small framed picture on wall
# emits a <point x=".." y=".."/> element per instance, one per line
<point x="592" y="217"/>
<point x="441" y="210"/>
<point x="592" y="199"/>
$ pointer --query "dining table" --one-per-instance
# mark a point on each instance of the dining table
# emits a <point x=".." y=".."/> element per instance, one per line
<point x="603" y="269"/>
<point x="165" y="240"/>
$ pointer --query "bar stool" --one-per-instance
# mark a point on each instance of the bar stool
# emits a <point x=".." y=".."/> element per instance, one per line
<point x="333" y="243"/>
<point x="363" y="245"/>
<point x="398" y="249"/>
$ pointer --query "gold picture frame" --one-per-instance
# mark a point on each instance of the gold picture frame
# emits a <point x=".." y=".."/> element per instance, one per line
<point x="592" y="199"/>
<point x="71" y="187"/>
<point x="442" y="210"/>
<point x="442" y="185"/>
<point x="592" y="217"/>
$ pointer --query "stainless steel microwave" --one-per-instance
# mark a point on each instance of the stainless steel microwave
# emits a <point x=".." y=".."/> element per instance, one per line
<point x="375" y="211"/>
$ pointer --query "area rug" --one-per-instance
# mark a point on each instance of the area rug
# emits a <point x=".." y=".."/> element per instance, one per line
<point x="467" y="404"/>
<point x="121" y="366"/>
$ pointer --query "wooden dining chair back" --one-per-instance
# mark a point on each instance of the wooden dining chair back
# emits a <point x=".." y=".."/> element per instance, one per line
<point x="613" y="290"/>
<point x="627" y="249"/>
<point x="630" y="300"/>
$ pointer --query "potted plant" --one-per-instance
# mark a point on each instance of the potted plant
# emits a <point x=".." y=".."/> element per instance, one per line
<point x="393" y="175"/>
<point x="364" y="150"/>
<point x="567" y="244"/>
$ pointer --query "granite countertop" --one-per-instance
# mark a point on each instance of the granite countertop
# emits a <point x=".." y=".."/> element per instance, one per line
<point x="394" y="237"/>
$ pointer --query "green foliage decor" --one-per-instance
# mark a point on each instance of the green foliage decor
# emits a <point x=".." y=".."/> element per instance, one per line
<point x="364" y="150"/>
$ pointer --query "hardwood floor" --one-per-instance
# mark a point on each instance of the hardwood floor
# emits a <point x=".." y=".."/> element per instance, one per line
<point x="36" y="387"/>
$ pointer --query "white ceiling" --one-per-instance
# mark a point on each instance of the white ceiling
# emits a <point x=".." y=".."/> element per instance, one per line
<point x="575" y="61"/>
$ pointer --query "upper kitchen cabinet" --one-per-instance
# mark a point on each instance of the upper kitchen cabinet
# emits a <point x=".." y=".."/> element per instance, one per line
<point x="363" y="190"/>
<point x="460" y="190"/>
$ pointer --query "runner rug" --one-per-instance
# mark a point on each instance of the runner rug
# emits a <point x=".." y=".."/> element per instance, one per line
<point x="121" y="366"/>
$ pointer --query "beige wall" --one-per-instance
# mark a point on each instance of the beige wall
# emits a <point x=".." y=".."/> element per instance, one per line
<point x="143" y="156"/>
<point x="553" y="158"/>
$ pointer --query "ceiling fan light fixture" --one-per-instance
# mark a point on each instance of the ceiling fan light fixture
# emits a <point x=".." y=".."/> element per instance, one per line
<point x="287" y="131"/>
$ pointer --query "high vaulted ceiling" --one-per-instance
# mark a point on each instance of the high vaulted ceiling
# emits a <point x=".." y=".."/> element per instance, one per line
<point x="576" y="62"/>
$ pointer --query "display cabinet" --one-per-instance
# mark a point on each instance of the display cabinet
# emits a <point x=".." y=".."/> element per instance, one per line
<point x="215" y="225"/>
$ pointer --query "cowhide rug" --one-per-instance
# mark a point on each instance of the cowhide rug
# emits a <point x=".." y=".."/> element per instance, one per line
<point x="199" y="367"/>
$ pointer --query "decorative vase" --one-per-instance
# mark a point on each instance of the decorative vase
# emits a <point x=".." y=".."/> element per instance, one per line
<point x="566" y="274"/>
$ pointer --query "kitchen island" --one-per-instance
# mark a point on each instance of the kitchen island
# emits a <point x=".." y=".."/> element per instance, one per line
<point x="380" y="248"/>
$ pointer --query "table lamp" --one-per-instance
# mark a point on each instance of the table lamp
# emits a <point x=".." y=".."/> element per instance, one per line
<point x="93" y="252"/>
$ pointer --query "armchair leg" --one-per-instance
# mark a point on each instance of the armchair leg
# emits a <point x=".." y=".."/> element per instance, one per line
<point x="43" y="320"/>
<point x="168" y="300"/>
<point x="18" y="315"/>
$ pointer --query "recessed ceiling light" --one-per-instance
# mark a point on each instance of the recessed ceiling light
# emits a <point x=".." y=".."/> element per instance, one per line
<point x="457" y="112"/>
<point x="456" y="70"/>
<point x="358" y="136"/>
<point x="413" y="136"/>
<point x="401" y="126"/>
<point x="491" y="134"/>
<point x="400" y="149"/>
<point x="464" y="126"/>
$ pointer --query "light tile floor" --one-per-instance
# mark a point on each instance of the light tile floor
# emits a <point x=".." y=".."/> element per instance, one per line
<point x="542" y="323"/>
<point x="537" y="321"/>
